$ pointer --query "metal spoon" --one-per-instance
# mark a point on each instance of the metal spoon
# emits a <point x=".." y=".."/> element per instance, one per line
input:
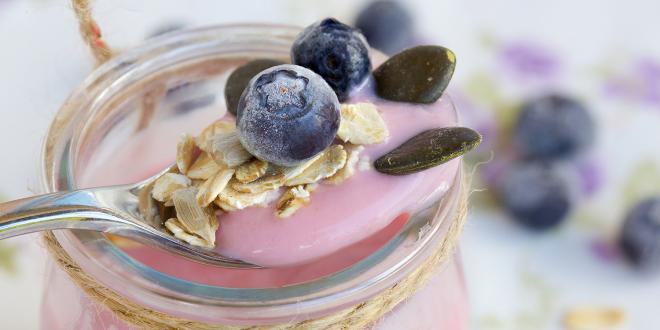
<point x="114" y="210"/>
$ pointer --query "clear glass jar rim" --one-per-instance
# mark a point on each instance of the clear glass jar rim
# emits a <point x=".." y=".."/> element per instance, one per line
<point x="173" y="295"/>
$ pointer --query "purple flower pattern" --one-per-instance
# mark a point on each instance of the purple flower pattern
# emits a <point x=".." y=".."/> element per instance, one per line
<point x="528" y="61"/>
<point x="639" y="83"/>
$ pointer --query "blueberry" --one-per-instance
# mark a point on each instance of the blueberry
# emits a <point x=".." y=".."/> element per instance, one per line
<point x="535" y="194"/>
<point x="241" y="77"/>
<point x="337" y="52"/>
<point x="387" y="25"/>
<point x="287" y="114"/>
<point x="553" y="127"/>
<point x="640" y="235"/>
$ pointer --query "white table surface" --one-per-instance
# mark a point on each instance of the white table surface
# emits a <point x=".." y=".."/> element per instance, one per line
<point x="517" y="280"/>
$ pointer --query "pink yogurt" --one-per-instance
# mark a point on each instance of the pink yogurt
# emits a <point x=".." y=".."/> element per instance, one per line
<point x="342" y="224"/>
<point x="335" y="226"/>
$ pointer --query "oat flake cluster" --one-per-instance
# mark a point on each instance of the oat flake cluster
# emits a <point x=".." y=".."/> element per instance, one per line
<point x="215" y="174"/>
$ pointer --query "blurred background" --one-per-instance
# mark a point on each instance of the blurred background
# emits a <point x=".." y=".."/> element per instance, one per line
<point x="546" y="242"/>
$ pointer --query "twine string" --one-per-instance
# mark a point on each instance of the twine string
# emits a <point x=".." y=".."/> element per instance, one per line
<point x="357" y="317"/>
<point x="93" y="38"/>
<point x="90" y="31"/>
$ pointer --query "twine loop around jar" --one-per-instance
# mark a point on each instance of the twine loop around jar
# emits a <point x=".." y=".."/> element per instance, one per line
<point x="357" y="317"/>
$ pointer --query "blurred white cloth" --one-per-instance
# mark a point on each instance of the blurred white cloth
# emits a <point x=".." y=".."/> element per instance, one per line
<point x="516" y="280"/>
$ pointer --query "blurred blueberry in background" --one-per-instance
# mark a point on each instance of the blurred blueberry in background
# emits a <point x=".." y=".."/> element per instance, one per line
<point x="536" y="174"/>
<point x="535" y="194"/>
<point x="553" y="127"/>
<point x="387" y="25"/>
<point x="640" y="235"/>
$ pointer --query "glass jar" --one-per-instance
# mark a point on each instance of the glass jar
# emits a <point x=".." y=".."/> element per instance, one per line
<point x="176" y="81"/>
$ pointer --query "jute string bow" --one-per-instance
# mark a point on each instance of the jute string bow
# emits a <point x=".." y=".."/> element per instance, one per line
<point x="136" y="315"/>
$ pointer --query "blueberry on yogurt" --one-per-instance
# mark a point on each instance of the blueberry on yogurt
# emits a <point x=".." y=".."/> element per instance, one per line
<point x="287" y="114"/>
<point x="337" y="52"/>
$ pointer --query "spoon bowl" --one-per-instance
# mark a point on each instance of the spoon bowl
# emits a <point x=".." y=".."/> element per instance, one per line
<point x="118" y="210"/>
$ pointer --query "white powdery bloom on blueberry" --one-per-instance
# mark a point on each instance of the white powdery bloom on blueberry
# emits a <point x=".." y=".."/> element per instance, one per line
<point x="287" y="92"/>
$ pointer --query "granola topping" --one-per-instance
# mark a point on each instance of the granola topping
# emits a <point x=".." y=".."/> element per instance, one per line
<point x="226" y="149"/>
<point x="362" y="124"/>
<point x="268" y="182"/>
<point x="292" y="200"/>
<point x="331" y="160"/>
<point x="212" y="187"/>
<point x="219" y="127"/>
<point x="167" y="184"/>
<point x="174" y="226"/>
<point x="224" y="177"/>
<point x="184" y="153"/>
<point x="348" y="169"/>
<point x="231" y="200"/>
<point x="251" y="171"/>
<point x="203" y="168"/>
<point x="195" y="219"/>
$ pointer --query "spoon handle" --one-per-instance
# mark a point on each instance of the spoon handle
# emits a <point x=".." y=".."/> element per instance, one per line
<point x="113" y="210"/>
<point x="80" y="209"/>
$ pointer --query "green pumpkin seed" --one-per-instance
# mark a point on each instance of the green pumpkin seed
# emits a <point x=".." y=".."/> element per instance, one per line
<point x="418" y="75"/>
<point x="428" y="149"/>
